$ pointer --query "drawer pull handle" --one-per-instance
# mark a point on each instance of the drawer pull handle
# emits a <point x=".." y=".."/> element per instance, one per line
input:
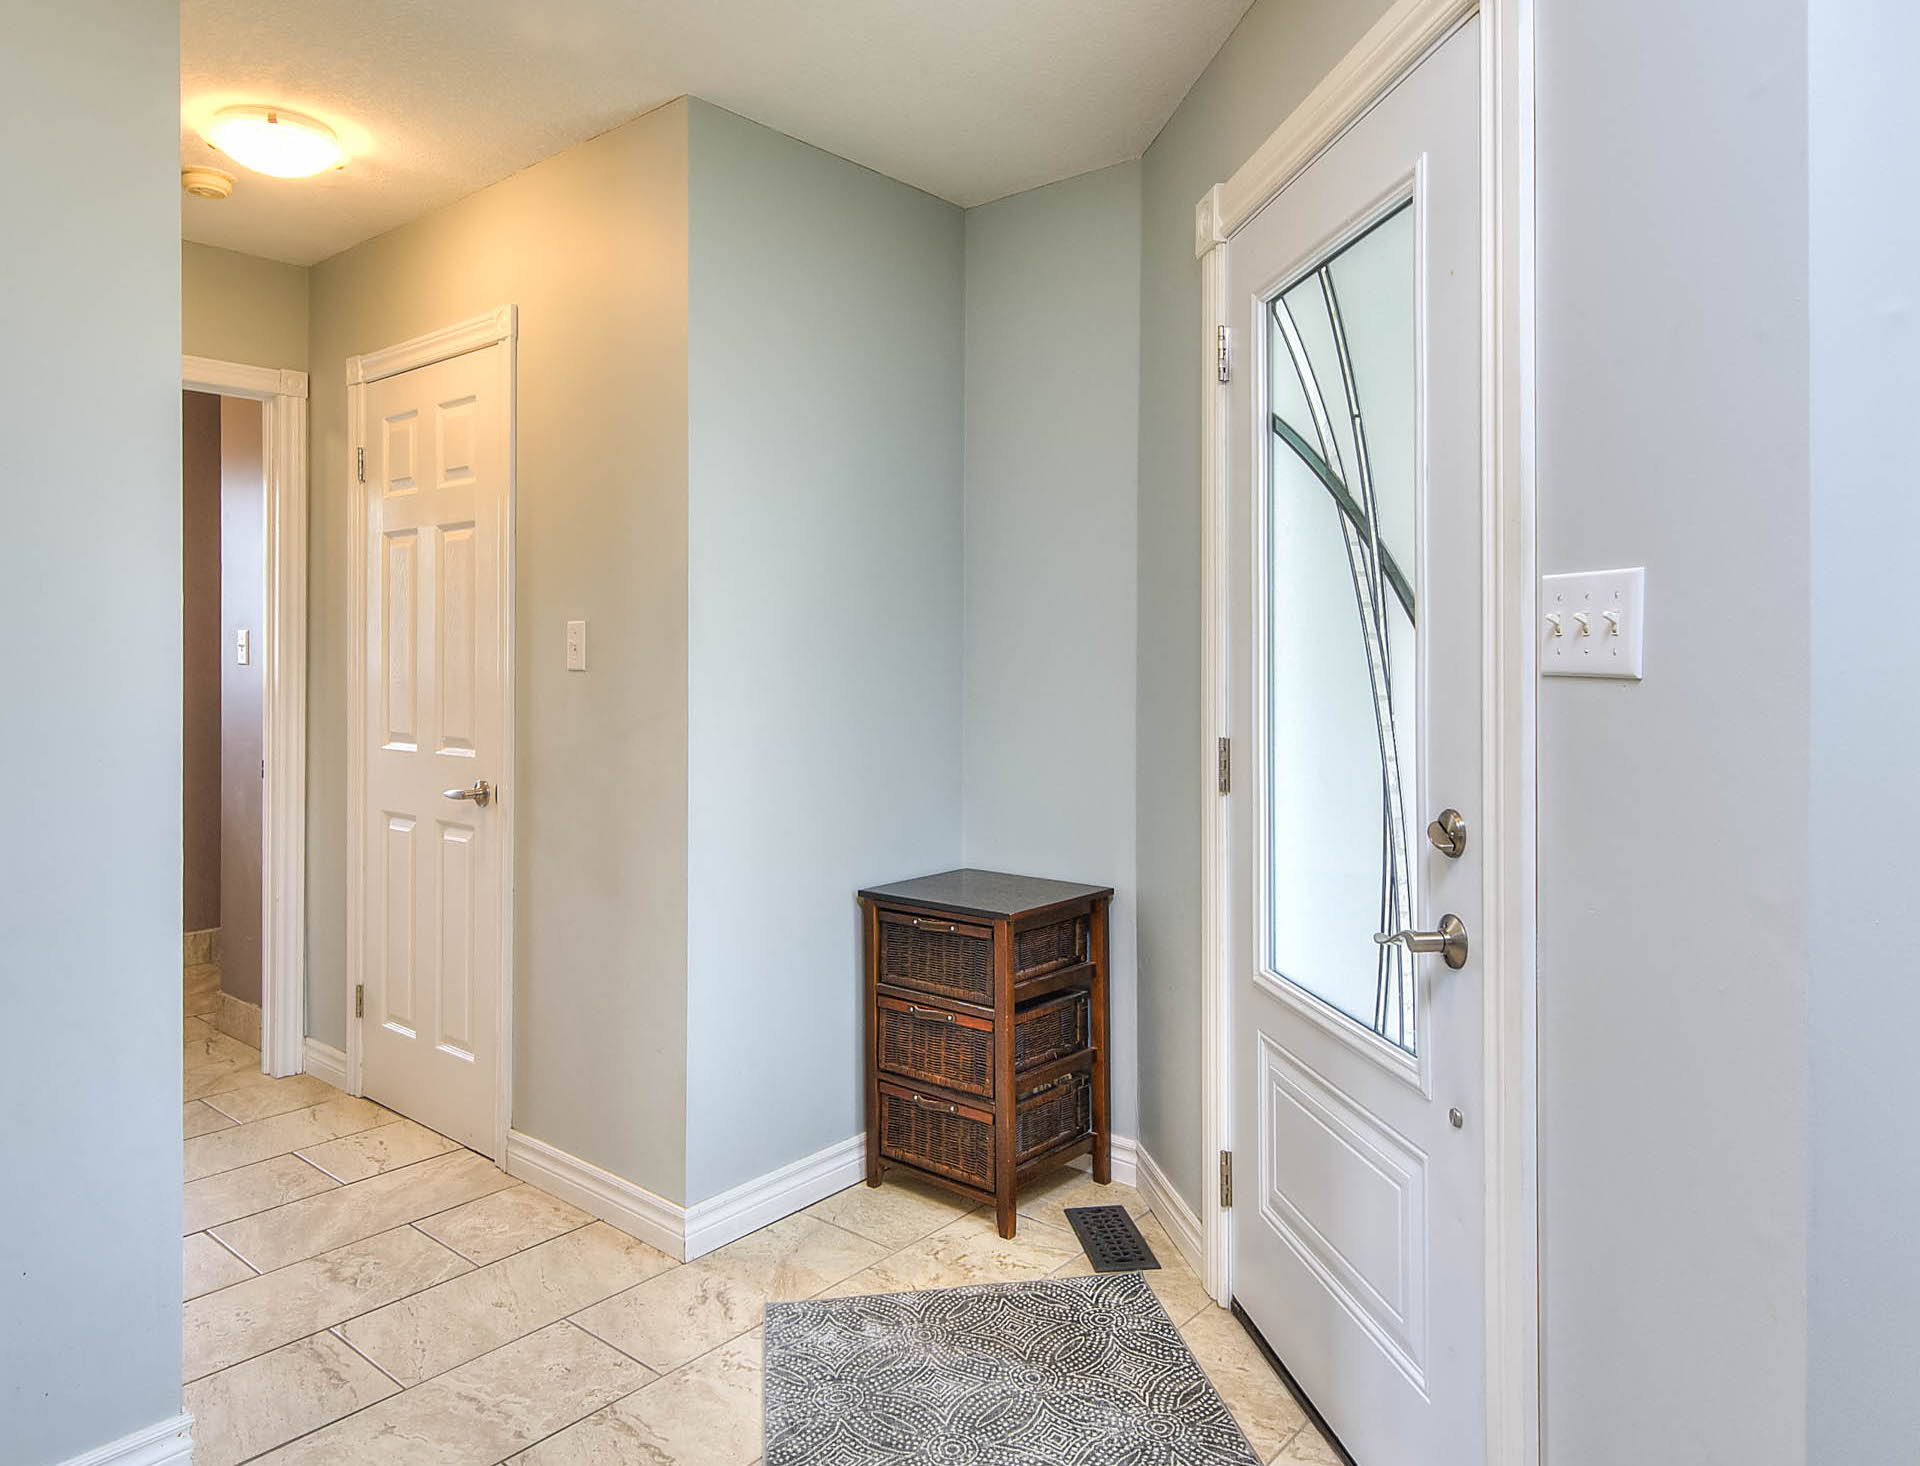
<point x="926" y="1104"/>
<point x="934" y="926"/>
<point x="934" y="1013"/>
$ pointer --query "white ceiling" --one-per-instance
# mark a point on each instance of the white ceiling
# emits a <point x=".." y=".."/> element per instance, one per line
<point x="967" y="99"/>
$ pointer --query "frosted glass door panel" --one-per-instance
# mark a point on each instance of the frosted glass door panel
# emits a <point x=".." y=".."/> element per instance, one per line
<point x="1340" y="615"/>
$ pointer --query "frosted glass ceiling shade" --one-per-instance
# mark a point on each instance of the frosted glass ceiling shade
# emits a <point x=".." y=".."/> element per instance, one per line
<point x="275" y="141"/>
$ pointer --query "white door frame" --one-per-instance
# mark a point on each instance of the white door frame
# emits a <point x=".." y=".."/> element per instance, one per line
<point x="1405" y="35"/>
<point x="282" y="396"/>
<point x="500" y="325"/>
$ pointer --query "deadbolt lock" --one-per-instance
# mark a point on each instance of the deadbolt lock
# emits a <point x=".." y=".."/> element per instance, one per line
<point x="1448" y="834"/>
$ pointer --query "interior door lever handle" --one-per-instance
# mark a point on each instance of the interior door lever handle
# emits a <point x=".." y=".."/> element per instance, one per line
<point x="481" y="793"/>
<point x="1450" y="941"/>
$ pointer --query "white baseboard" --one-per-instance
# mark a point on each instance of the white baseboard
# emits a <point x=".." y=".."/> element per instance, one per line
<point x="169" y="1443"/>
<point x="1121" y="1153"/>
<point x="1174" y="1213"/>
<point x="324" y="1061"/>
<point x="616" y="1201"/>
<point x="752" y="1205"/>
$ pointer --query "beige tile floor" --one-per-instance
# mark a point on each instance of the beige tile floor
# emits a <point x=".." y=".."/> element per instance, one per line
<point x="361" y="1290"/>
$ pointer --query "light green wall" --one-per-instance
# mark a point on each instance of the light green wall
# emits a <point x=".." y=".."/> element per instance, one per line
<point x="1053" y="377"/>
<point x="90" y="660"/>
<point x="1277" y="55"/>
<point x="591" y="245"/>
<point x="824" y="523"/>
<point x="236" y="307"/>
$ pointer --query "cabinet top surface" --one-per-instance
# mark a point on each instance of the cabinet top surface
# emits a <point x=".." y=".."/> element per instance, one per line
<point x="988" y="893"/>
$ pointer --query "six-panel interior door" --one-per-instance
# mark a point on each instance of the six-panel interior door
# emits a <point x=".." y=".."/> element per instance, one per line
<point x="1357" y="656"/>
<point x="436" y="443"/>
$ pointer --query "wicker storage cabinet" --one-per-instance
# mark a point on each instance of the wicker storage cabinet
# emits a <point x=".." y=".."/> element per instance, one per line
<point x="986" y="1031"/>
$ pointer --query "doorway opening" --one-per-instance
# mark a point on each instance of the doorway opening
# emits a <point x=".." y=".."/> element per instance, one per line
<point x="244" y="514"/>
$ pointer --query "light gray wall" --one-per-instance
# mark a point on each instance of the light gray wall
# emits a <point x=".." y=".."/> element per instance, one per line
<point x="236" y="307"/>
<point x="824" y="383"/>
<point x="1277" y="55"/>
<point x="1673" y="813"/>
<point x="1863" y="1002"/>
<point x="90" y="856"/>
<point x="591" y="245"/>
<point x="1052" y="384"/>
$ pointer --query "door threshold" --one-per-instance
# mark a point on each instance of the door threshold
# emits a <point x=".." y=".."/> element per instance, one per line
<point x="1314" y="1417"/>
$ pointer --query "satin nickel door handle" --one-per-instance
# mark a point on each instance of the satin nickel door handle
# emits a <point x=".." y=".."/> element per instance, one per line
<point x="481" y="793"/>
<point x="1450" y="941"/>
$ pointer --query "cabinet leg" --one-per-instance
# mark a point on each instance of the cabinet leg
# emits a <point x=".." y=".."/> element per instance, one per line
<point x="873" y="1167"/>
<point x="1004" y="1214"/>
<point x="1103" y="1160"/>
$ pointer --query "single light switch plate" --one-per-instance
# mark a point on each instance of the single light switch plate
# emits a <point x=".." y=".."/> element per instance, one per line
<point x="576" y="646"/>
<point x="1593" y="624"/>
<point x="242" y="646"/>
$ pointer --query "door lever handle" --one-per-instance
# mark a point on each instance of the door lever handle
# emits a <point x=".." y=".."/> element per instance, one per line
<point x="1450" y="941"/>
<point x="481" y="793"/>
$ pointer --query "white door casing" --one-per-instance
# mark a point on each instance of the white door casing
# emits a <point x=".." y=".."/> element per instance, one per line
<point x="1360" y="1214"/>
<point x="430" y="875"/>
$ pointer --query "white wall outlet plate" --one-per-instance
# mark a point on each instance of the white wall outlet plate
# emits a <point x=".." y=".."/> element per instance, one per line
<point x="1593" y="624"/>
<point x="576" y="646"/>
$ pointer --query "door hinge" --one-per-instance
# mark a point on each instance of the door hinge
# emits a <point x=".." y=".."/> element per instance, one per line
<point x="263" y="768"/>
<point x="359" y="1000"/>
<point x="1226" y="1180"/>
<point x="1223" y="357"/>
<point x="1223" y="770"/>
<point x="360" y="463"/>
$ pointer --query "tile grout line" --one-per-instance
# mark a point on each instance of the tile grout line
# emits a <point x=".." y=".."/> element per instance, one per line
<point x="339" y="1185"/>
<point x="337" y="1323"/>
<point x="229" y="1221"/>
<point x="398" y="1119"/>
<point x="295" y="1152"/>
<point x="400" y="1388"/>
<point x="343" y="1186"/>
<point x="221" y="1243"/>
<point x="479" y="1266"/>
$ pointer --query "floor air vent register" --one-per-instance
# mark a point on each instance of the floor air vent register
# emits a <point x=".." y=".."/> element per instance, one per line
<point x="1112" y="1241"/>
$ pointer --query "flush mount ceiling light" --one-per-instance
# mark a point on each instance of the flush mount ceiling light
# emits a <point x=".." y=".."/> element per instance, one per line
<point x="275" y="141"/>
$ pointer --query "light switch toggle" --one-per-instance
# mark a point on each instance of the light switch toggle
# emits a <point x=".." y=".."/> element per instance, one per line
<point x="1605" y="612"/>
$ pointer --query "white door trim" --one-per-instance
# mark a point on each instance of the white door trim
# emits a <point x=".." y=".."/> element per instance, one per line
<point x="500" y="325"/>
<point x="283" y="865"/>
<point x="1388" y="52"/>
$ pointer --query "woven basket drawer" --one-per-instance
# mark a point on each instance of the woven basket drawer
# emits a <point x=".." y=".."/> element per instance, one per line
<point x="1040" y="950"/>
<point x="955" y="1050"/>
<point x="936" y="1135"/>
<point x="934" y="955"/>
<point x="1049" y="1029"/>
<point x="956" y="1140"/>
<point x="1052" y="1116"/>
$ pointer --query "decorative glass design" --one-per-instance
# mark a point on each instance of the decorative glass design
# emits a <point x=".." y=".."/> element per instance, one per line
<point x="1341" y="740"/>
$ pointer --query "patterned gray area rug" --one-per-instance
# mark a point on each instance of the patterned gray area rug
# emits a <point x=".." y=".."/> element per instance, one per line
<point x="1064" y="1372"/>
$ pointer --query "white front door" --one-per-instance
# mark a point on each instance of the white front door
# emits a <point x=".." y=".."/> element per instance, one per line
<point x="432" y="896"/>
<point x="1357" y="654"/>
